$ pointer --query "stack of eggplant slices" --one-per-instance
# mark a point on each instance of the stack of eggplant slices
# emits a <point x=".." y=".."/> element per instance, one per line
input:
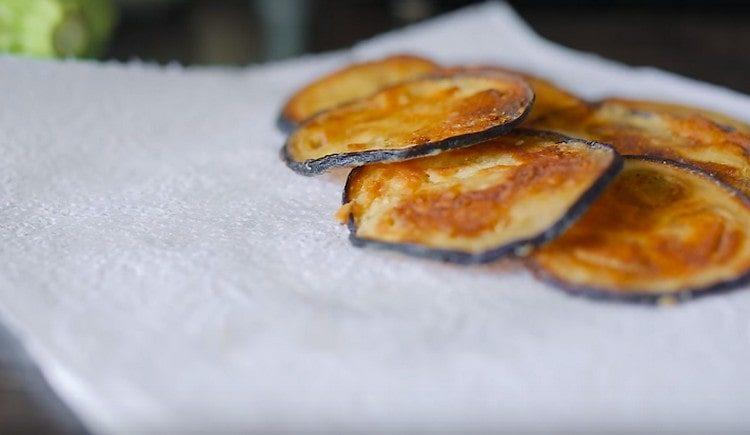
<point x="614" y="199"/>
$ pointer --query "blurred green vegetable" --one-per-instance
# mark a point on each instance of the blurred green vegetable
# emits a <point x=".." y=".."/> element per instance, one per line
<point x="56" y="28"/>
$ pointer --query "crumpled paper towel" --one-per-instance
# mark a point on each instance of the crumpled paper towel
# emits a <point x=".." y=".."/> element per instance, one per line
<point x="168" y="272"/>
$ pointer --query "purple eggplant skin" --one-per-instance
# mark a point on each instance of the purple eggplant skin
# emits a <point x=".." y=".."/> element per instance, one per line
<point x="320" y="165"/>
<point x="643" y="297"/>
<point x="518" y="248"/>
<point x="285" y="125"/>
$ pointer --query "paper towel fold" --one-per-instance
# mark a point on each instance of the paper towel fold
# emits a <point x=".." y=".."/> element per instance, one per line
<point x="168" y="272"/>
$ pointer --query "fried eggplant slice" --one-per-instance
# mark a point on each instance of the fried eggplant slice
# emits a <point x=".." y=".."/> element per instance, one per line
<point x="421" y="117"/>
<point x="726" y="122"/>
<point x="664" y="131"/>
<point x="662" y="231"/>
<point x="548" y="97"/>
<point x="351" y="83"/>
<point x="477" y="204"/>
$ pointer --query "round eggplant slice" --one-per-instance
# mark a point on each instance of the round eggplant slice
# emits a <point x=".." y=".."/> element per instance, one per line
<point x="351" y="83"/>
<point x="661" y="232"/>
<point x="726" y="122"/>
<point x="480" y="203"/>
<point x="413" y="119"/>
<point x="710" y="141"/>
<point x="548" y="97"/>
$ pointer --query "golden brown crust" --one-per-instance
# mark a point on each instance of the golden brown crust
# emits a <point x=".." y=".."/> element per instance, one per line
<point x="682" y="111"/>
<point x="658" y="229"/>
<point x="664" y="131"/>
<point x="352" y="83"/>
<point x="419" y="117"/>
<point x="478" y="199"/>
<point x="548" y="97"/>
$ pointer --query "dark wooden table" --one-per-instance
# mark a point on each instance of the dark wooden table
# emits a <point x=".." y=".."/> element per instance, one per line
<point x="707" y="44"/>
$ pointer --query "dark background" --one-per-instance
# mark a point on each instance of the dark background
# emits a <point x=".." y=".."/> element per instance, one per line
<point x="707" y="40"/>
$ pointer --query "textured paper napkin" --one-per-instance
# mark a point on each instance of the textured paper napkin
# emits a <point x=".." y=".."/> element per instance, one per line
<point x="168" y="272"/>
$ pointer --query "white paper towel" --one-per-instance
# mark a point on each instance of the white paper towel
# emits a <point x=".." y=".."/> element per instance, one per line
<point x="168" y="272"/>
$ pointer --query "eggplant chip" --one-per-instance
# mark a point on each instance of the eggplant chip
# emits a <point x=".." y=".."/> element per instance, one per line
<point x="480" y="203"/>
<point x="417" y="118"/>
<point x="661" y="232"/>
<point x="351" y="83"/>
<point x="548" y="97"/>
<point x="726" y="122"/>
<point x="664" y="131"/>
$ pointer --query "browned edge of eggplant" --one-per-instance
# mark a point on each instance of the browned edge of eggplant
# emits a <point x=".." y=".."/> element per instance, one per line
<point x="517" y="248"/>
<point x="643" y="297"/>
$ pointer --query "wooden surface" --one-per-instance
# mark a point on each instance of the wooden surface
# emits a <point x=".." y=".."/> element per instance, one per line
<point x="705" y="44"/>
